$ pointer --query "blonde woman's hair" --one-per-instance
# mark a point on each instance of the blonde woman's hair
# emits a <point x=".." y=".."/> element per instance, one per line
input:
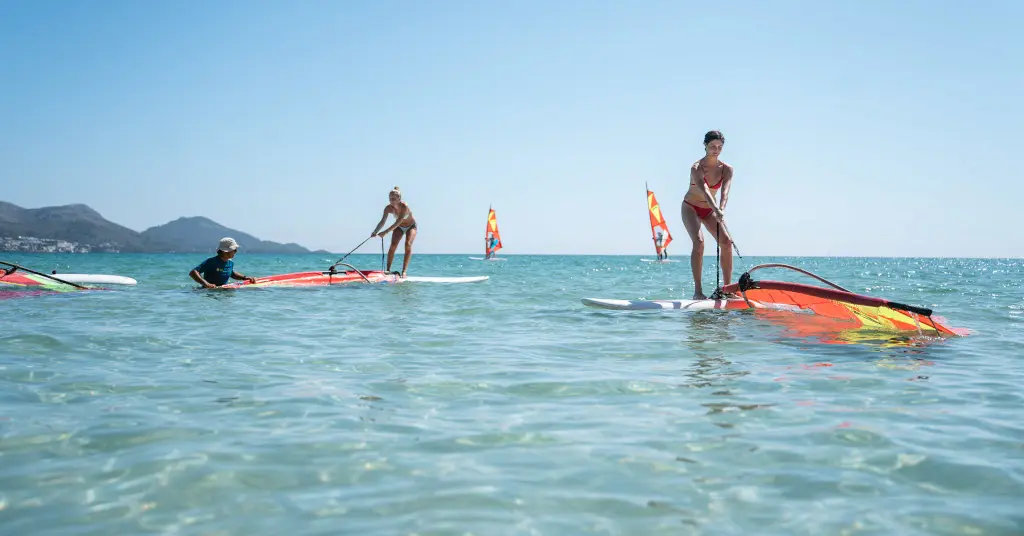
<point x="396" y="190"/>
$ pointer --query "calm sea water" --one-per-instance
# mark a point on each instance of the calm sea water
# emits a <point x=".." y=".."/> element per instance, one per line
<point x="504" y="407"/>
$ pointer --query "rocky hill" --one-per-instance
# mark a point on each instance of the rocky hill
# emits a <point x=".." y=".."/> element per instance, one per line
<point x="72" y="223"/>
<point x="199" y="234"/>
<point x="80" y="228"/>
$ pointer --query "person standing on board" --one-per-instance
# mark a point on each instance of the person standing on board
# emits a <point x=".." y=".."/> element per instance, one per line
<point x="658" y="241"/>
<point x="218" y="270"/>
<point x="490" y="243"/>
<point x="708" y="176"/>
<point x="404" y="224"/>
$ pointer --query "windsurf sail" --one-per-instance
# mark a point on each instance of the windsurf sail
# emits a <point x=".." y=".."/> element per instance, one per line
<point x="658" y="225"/>
<point x="833" y="301"/>
<point x="348" y="274"/>
<point x="492" y="237"/>
<point x="17" y="277"/>
<point x="838" y="315"/>
<point x="336" y="277"/>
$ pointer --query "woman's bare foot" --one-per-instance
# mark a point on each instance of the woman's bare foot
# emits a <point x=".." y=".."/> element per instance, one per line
<point x="699" y="296"/>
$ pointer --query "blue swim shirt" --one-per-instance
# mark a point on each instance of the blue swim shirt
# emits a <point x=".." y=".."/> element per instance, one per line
<point x="216" y="271"/>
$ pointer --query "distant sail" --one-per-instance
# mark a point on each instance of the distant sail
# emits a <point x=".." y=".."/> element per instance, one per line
<point x="492" y="230"/>
<point x="657" y="222"/>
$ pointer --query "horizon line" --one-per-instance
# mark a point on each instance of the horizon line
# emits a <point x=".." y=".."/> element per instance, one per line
<point x="398" y="254"/>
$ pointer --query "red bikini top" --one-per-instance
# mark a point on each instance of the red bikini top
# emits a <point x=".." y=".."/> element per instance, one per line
<point x="716" y="186"/>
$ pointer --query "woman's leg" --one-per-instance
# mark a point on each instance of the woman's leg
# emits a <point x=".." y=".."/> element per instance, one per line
<point x="396" y="236"/>
<point x="692" y="223"/>
<point x="410" y="236"/>
<point x="721" y="235"/>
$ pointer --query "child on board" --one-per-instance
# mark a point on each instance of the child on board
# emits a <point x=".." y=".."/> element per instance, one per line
<point x="218" y="270"/>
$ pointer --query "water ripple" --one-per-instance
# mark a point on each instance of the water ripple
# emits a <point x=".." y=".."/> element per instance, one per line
<point x="505" y="407"/>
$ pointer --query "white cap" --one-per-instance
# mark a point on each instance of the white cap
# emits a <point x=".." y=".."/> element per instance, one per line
<point x="227" y="244"/>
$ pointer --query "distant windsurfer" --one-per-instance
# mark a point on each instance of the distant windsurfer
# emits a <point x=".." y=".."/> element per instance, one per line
<point x="659" y="246"/>
<point x="490" y="243"/>
<point x="405" y="225"/>
<point x="707" y="176"/>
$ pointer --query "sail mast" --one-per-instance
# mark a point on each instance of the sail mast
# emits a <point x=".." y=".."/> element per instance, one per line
<point x="647" y="198"/>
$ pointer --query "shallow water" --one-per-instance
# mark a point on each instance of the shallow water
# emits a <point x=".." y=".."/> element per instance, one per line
<point x="505" y="407"/>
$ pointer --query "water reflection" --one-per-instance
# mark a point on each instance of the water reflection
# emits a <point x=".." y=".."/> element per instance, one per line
<point x="13" y="294"/>
<point x="711" y="327"/>
<point x="218" y="293"/>
<point x="825" y="330"/>
<point x="707" y="332"/>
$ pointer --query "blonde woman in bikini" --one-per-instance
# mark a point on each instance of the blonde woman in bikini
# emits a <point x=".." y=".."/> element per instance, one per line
<point x="708" y="176"/>
<point x="405" y="224"/>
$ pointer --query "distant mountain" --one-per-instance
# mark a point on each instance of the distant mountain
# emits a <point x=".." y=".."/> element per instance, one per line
<point x="198" y="234"/>
<point x="84" y="226"/>
<point x="74" y="223"/>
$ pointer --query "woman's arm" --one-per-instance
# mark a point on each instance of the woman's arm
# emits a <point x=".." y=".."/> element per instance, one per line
<point x="697" y="177"/>
<point x="726" y="184"/>
<point x="399" y="218"/>
<point x="381" y="222"/>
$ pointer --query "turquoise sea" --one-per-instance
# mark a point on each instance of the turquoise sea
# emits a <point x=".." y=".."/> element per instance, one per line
<point x="504" y="407"/>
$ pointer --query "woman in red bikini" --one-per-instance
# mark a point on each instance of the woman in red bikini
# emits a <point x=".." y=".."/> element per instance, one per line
<point x="708" y="176"/>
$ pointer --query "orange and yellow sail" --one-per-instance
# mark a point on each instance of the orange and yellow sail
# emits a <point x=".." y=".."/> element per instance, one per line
<point x="855" y="311"/>
<point x="492" y="230"/>
<point x="657" y="222"/>
<point x="858" y="311"/>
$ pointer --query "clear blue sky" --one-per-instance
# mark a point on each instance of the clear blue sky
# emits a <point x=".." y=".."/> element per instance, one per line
<point x="856" y="128"/>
